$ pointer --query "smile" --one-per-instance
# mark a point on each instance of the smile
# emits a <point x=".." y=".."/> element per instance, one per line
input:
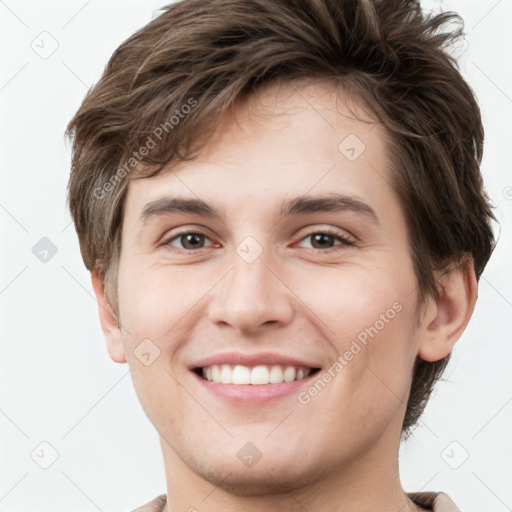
<point x="256" y="375"/>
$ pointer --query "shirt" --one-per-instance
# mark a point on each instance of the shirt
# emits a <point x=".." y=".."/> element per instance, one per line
<point x="434" y="501"/>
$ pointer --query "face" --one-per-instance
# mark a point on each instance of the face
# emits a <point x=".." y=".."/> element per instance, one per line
<point x="286" y="251"/>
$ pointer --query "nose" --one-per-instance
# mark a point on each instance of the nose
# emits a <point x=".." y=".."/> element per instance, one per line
<point x="252" y="296"/>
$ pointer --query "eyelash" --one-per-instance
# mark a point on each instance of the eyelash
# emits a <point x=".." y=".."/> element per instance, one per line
<point x="330" y="232"/>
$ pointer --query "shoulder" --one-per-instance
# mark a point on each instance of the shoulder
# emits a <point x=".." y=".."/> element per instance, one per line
<point x="156" y="505"/>
<point x="435" y="501"/>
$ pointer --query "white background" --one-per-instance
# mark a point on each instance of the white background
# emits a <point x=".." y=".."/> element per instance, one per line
<point x="57" y="383"/>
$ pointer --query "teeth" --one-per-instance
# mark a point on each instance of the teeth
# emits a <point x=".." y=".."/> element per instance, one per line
<point x="215" y="373"/>
<point x="289" y="374"/>
<point x="275" y="375"/>
<point x="226" y="374"/>
<point x="258" y="375"/>
<point x="241" y="375"/>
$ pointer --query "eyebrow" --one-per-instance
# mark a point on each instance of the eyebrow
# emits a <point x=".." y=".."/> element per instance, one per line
<point x="299" y="206"/>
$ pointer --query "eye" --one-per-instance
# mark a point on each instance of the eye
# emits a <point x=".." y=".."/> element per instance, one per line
<point x="324" y="239"/>
<point x="189" y="240"/>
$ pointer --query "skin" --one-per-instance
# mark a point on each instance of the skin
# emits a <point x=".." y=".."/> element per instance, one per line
<point x="340" y="450"/>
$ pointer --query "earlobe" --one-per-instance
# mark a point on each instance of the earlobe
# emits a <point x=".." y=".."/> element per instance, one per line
<point x="108" y="321"/>
<point x="446" y="318"/>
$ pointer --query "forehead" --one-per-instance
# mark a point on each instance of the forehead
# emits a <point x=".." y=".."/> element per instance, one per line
<point x="285" y="141"/>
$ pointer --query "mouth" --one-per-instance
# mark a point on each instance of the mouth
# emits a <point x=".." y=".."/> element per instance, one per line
<point x="257" y="375"/>
<point x="260" y="378"/>
<point x="252" y="386"/>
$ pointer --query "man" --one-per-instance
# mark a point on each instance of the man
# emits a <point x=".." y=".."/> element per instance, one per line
<point x="282" y="210"/>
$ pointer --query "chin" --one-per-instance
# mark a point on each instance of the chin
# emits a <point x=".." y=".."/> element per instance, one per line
<point x="262" y="481"/>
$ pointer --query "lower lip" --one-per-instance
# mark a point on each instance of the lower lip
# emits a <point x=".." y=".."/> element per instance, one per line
<point x="253" y="394"/>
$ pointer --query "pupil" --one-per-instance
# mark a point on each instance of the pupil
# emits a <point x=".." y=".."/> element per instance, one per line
<point x="321" y="236"/>
<point x="190" y="239"/>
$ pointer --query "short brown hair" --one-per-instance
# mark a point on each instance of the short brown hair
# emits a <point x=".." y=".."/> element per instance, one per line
<point x="205" y="55"/>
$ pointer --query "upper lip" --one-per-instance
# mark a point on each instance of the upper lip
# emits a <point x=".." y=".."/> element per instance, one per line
<point x="260" y="358"/>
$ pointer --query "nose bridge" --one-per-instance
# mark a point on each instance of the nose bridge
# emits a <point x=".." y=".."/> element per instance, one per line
<point x="251" y="295"/>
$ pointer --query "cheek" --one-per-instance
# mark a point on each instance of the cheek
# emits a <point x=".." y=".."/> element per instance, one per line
<point x="353" y="298"/>
<point x="366" y="317"/>
<point x="154" y="302"/>
<point x="149" y="309"/>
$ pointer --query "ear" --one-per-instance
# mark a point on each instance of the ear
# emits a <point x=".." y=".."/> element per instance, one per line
<point x="444" y="320"/>
<point x="108" y="321"/>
